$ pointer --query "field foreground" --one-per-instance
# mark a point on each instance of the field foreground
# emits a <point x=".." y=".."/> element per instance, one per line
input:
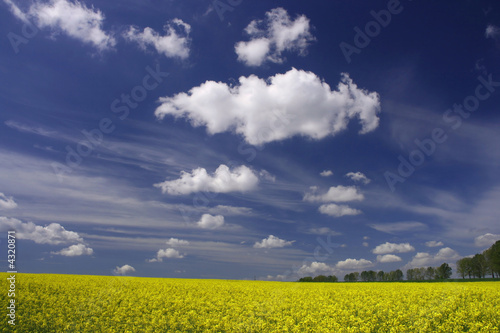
<point x="71" y="303"/>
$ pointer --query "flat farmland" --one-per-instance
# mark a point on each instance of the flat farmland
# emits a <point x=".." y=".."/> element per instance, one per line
<point x="74" y="303"/>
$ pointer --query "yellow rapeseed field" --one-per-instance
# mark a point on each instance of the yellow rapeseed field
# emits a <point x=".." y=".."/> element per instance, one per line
<point x="70" y="303"/>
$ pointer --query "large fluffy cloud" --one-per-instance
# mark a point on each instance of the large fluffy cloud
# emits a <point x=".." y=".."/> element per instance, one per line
<point x="53" y="233"/>
<point x="175" y="42"/>
<point x="315" y="268"/>
<point x="7" y="202"/>
<point x="272" y="242"/>
<point x="269" y="38"/>
<point x="285" y="105"/>
<point x="393" y="248"/>
<point x="73" y="19"/>
<point x="335" y="194"/>
<point x="208" y="221"/>
<point x="224" y="180"/>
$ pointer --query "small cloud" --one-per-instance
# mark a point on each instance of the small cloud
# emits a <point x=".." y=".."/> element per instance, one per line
<point x="358" y="177"/>
<point x="166" y="253"/>
<point x="354" y="264"/>
<point x="272" y="242"/>
<point x="326" y="173"/>
<point x="175" y="42"/>
<point x="7" y="202"/>
<point x="267" y="176"/>
<point x="75" y="250"/>
<point x="393" y="248"/>
<point x="223" y="180"/>
<point x="335" y="194"/>
<point x="338" y="210"/>
<point x="366" y="237"/>
<point x="269" y="38"/>
<point x="388" y="258"/>
<point x="208" y="221"/>
<point x="433" y="243"/>
<point x="423" y="259"/>
<point x="365" y="244"/>
<point x="176" y="242"/>
<point x="315" y="268"/>
<point x="124" y="270"/>
<point x="486" y="240"/>
<point x="392" y="228"/>
<point x="492" y="31"/>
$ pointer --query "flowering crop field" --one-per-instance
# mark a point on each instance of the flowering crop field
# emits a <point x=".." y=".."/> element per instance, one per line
<point x="72" y="303"/>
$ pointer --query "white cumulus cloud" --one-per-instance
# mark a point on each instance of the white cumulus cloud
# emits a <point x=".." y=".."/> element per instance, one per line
<point x="75" y="250"/>
<point x="336" y="194"/>
<point x="166" y="253"/>
<point x="208" y="221"/>
<point x="315" y="268"/>
<point x="53" y="233"/>
<point x="492" y="31"/>
<point x="354" y="264"/>
<point x="224" y="180"/>
<point x="433" y="243"/>
<point x="338" y="210"/>
<point x="486" y="240"/>
<point x="176" y="242"/>
<point x="7" y="202"/>
<point x="358" y="177"/>
<point x="73" y="19"/>
<point x="326" y="173"/>
<point x="388" y="258"/>
<point x="123" y="270"/>
<point x="284" y="105"/>
<point x="269" y="38"/>
<point x="423" y="259"/>
<point x="175" y="42"/>
<point x="272" y="242"/>
<point x="393" y="248"/>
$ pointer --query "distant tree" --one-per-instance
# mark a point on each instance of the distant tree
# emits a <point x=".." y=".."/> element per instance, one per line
<point x="430" y="273"/>
<point x="495" y="258"/>
<point x="306" y="279"/>
<point x="463" y="267"/>
<point x="356" y="276"/>
<point x="387" y="276"/>
<point x="347" y="278"/>
<point x="479" y="265"/>
<point x="372" y="276"/>
<point x="332" y="278"/>
<point x="409" y="274"/>
<point x="364" y="276"/>
<point x="319" y="278"/>
<point x="443" y="272"/>
<point x="398" y="274"/>
<point x="380" y="276"/>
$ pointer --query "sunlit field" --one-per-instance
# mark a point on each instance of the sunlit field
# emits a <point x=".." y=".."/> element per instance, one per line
<point x="71" y="303"/>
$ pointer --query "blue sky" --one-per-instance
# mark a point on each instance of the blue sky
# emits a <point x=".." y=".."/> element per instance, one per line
<point x="238" y="139"/>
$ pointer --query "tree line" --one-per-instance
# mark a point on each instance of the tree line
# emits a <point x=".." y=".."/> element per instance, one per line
<point x="481" y="264"/>
<point x="442" y="272"/>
